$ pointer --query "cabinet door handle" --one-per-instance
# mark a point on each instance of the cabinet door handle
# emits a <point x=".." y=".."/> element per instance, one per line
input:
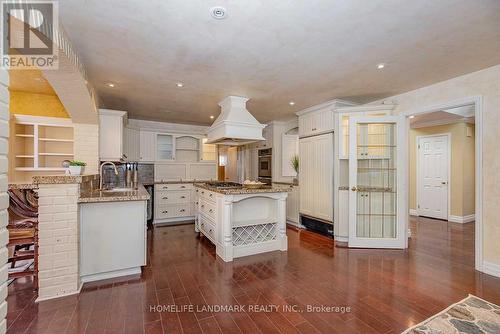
<point x="182" y="210"/>
<point x="210" y="210"/>
<point x="183" y="186"/>
<point x="202" y="205"/>
<point x="210" y="195"/>
<point x="164" y="197"/>
<point x="183" y="196"/>
<point x="164" y="211"/>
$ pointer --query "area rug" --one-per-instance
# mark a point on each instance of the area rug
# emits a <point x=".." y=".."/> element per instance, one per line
<point x="470" y="315"/>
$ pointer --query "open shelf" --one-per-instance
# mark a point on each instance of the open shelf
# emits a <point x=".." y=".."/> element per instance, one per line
<point x="56" y="140"/>
<point x="57" y="154"/>
<point x="41" y="143"/>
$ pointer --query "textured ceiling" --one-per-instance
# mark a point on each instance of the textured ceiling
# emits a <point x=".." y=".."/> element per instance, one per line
<point x="273" y="51"/>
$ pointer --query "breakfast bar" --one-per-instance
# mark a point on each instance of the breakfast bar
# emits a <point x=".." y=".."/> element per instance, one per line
<point x="241" y="221"/>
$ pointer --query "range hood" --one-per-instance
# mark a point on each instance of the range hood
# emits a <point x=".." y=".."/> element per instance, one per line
<point x="235" y="125"/>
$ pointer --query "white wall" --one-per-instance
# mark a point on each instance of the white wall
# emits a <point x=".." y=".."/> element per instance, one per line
<point x="4" y="197"/>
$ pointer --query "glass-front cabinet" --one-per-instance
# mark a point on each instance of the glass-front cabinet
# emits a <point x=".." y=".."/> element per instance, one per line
<point x="344" y="117"/>
<point x="164" y="147"/>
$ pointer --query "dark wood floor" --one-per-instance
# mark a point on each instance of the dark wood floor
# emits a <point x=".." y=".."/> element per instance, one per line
<point x="387" y="291"/>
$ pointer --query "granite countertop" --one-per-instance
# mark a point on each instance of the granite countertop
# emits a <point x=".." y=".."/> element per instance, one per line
<point x="64" y="179"/>
<point x="182" y="181"/>
<point x="22" y="185"/>
<point x="96" y="196"/>
<point x="243" y="191"/>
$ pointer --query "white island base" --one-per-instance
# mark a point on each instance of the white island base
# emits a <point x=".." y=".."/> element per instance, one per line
<point x="242" y="222"/>
<point x="112" y="239"/>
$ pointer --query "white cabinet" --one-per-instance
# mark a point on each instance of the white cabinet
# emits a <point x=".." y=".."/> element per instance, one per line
<point x="131" y="143"/>
<point x="316" y="122"/>
<point x="174" y="202"/>
<point x="344" y="114"/>
<point x="147" y="146"/>
<point x="164" y="147"/>
<point x="316" y="176"/>
<point x="111" y="124"/>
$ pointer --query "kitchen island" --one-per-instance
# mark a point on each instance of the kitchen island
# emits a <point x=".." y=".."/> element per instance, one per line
<point x="241" y="221"/>
<point x="112" y="233"/>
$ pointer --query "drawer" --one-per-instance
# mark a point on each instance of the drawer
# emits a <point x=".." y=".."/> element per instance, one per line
<point x="173" y="211"/>
<point x="207" y="207"/>
<point x="207" y="228"/>
<point x="173" y="197"/>
<point x="208" y="195"/>
<point x="173" y="186"/>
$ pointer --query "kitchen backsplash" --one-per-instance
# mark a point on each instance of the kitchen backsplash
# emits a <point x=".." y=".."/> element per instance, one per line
<point x="145" y="175"/>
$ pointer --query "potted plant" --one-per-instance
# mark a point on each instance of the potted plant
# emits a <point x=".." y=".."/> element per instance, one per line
<point x="295" y="165"/>
<point x="76" y="167"/>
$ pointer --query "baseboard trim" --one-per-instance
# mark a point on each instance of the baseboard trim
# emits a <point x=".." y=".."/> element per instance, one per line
<point x="462" y="219"/>
<point x="111" y="274"/>
<point x="413" y="212"/>
<point x="492" y="269"/>
<point x="341" y="239"/>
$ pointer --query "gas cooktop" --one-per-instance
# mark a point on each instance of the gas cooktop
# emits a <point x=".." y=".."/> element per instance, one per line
<point x="224" y="185"/>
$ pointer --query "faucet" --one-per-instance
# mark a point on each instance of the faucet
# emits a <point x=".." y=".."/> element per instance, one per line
<point x="100" y="172"/>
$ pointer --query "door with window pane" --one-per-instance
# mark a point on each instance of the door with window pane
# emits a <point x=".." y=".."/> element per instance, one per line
<point x="377" y="171"/>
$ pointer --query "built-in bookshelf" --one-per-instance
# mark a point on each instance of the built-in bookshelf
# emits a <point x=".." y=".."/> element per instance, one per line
<point x="42" y="143"/>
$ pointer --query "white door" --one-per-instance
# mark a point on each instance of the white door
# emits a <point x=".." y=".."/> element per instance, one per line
<point x="377" y="181"/>
<point x="432" y="178"/>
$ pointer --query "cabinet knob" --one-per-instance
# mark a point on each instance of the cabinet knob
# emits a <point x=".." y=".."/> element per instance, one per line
<point x="165" y="211"/>
<point x="183" y="196"/>
<point x="182" y="210"/>
<point x="354" y="189"/>
<point x="210" y="210"/>
<point x="210" y="195"/>
<point x="202" y="206"/>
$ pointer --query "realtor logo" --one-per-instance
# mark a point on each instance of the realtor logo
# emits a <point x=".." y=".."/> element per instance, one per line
<point x="28" y="31"/>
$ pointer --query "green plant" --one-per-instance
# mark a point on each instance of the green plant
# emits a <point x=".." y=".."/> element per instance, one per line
<point x="77" y="163"/>
<point x="295" y="163"/>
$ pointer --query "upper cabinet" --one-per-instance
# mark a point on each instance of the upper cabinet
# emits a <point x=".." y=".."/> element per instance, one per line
<point x="373" y="135"/>
<point x="111" y="134"/>
<point x="187" y="148"/>
<point x="316" y="122"/>
<point x="164" y="147"/>
<point x="147" y="146"/>
<point x="131" y="143"/>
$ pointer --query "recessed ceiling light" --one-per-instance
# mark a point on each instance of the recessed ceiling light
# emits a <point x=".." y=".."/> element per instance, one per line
<point x="291" y="103"/>
<point x="218" y="12"/>
<point x="212" y="117"/>
<point x="411" y="117"/>
<point x="109" y="84"/>
<point x="380" y="66"/>
<point x="179" y="84"/>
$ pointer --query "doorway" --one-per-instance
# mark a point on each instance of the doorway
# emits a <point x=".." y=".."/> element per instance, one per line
<point x="465" y="195"/>
<point x="432" y="172"/>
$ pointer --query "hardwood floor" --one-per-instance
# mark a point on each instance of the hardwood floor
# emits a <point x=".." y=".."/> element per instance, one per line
<point x="386" y="290"/>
